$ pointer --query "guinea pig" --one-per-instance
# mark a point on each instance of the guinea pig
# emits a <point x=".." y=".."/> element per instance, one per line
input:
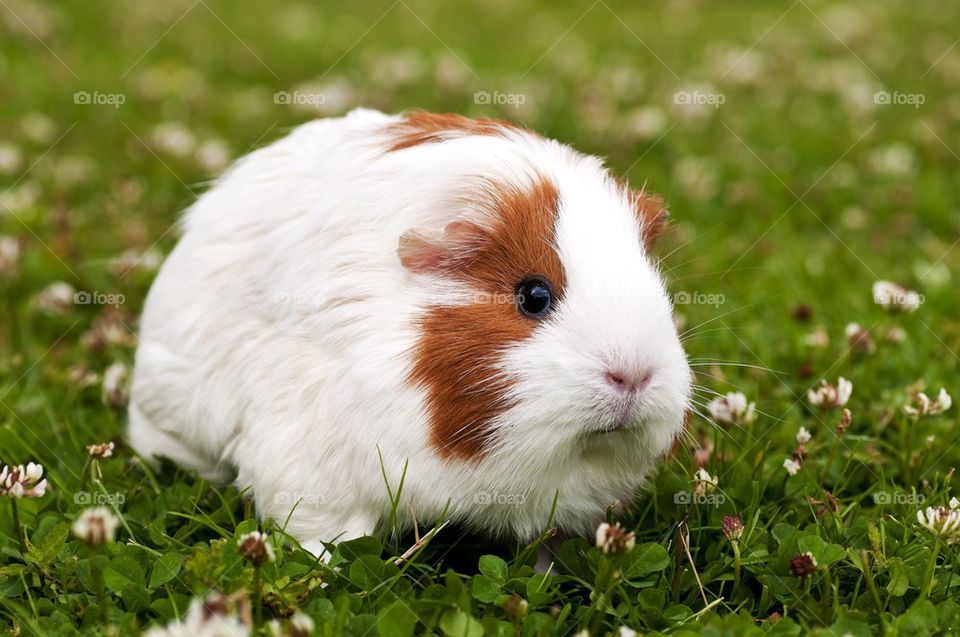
<point x="458" y="304"/>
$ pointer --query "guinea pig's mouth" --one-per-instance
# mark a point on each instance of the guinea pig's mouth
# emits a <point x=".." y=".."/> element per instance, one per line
<point x="618" y="418"/>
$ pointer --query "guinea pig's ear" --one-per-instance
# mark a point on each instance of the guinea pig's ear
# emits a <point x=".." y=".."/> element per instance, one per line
<point x="425" y="250"/>
<point x="653" y="215"/>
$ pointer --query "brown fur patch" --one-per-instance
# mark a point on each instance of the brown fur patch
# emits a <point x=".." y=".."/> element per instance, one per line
<point x="426" y="128"/>
<point x="455" y="359"/>
<point x="653" y="216"/>
<point x="651" y="213"/>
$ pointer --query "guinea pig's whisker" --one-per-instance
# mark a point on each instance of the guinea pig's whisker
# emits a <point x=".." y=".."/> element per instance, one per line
<point x="707" y="390"/>
<point x="691" y="337"/>
<point x="674" y="251"/>
<point x="687" y="436"/>
<point x="673" y="267"/>
<point x="710" y="420"/>
<point x="720" y="316"/>
<point x="707" y="363"/>
<point x="717" y="426"/>
<point x="711" y="275"/>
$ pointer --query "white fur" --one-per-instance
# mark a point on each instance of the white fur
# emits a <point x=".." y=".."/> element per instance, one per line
<point x="276" y="340"/>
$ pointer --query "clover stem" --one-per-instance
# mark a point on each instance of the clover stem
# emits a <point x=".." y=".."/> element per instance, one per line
<point x="17" y="526"/>
<point x="736" y="566"/>
<point x="931" y="568"/>
<point x="606" y="579"/>
<point x="830" y="458"/>
<point x="257" y="601"/>
<point x="101" y="587"/>
<point x="84" y="472"/>
<point x="871" y="584"/>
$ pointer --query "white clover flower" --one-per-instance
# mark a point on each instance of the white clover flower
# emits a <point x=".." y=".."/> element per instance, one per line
<point x="613" y="539"/>
<point x="803" y="436"/>
<point x="148" y="260"/>
<point x="56" y="298"/>
<point x="18" y="481"/>
<point x="109" y="328"/>
<point x="828" y="396"/>
<point x="38" y="127"/>
<point x="732" y="409"/>
<point x="115" y="385"/>
<point x="102" y="450"/>
<point x="96" y="526"/>
<point x="817" y="338"/>
<point x="927" y="407"/>
<point x="645" y="123"/>
<point x="301" y="624"/>
<point x="858" y="338"/>
<point x="895" y="298"/>
<point x="895" y="334"/>
<point x="697" y="176"/>
<point x="213" y="155"/>
<point x="256" y="547"/>
<point x="942" y="522"/>
<point x="704" y="482"/>
<point x="792" y="466"/>
<point x="214" y="616"/>
<point x="803" y="565"/>
<point x="71" y="170"/>
<point x="82" y="376"/>
<point x="21" y="197"/>
<point x="9" y="255"/>
<point x="954" y="503"/>
<point x="894" y="160"/>
<point x="10" y="158"/>
<point x="173" y="138"/>
<point x="449" y="74"/>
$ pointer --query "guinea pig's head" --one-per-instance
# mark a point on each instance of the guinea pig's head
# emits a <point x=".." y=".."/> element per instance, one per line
<point x="551" y="332"/>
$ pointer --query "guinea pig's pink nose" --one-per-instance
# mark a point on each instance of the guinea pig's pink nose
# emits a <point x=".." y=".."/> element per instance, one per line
<point x="628" y="382"/>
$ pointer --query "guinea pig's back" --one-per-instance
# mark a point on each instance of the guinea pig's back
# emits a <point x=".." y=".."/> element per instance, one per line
<point x="282" y="286"/>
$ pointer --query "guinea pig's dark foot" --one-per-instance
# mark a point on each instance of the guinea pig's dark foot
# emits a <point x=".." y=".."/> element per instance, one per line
<point x="547" y="552"/>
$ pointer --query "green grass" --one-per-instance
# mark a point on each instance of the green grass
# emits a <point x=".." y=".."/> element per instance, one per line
<point x="796" y="191"/>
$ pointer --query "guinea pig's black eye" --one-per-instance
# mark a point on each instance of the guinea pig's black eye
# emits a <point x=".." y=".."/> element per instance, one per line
<point x="534" y="297"/>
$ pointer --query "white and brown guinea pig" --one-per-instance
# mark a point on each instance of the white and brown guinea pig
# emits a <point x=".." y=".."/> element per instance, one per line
<point x="461" y="296"/>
